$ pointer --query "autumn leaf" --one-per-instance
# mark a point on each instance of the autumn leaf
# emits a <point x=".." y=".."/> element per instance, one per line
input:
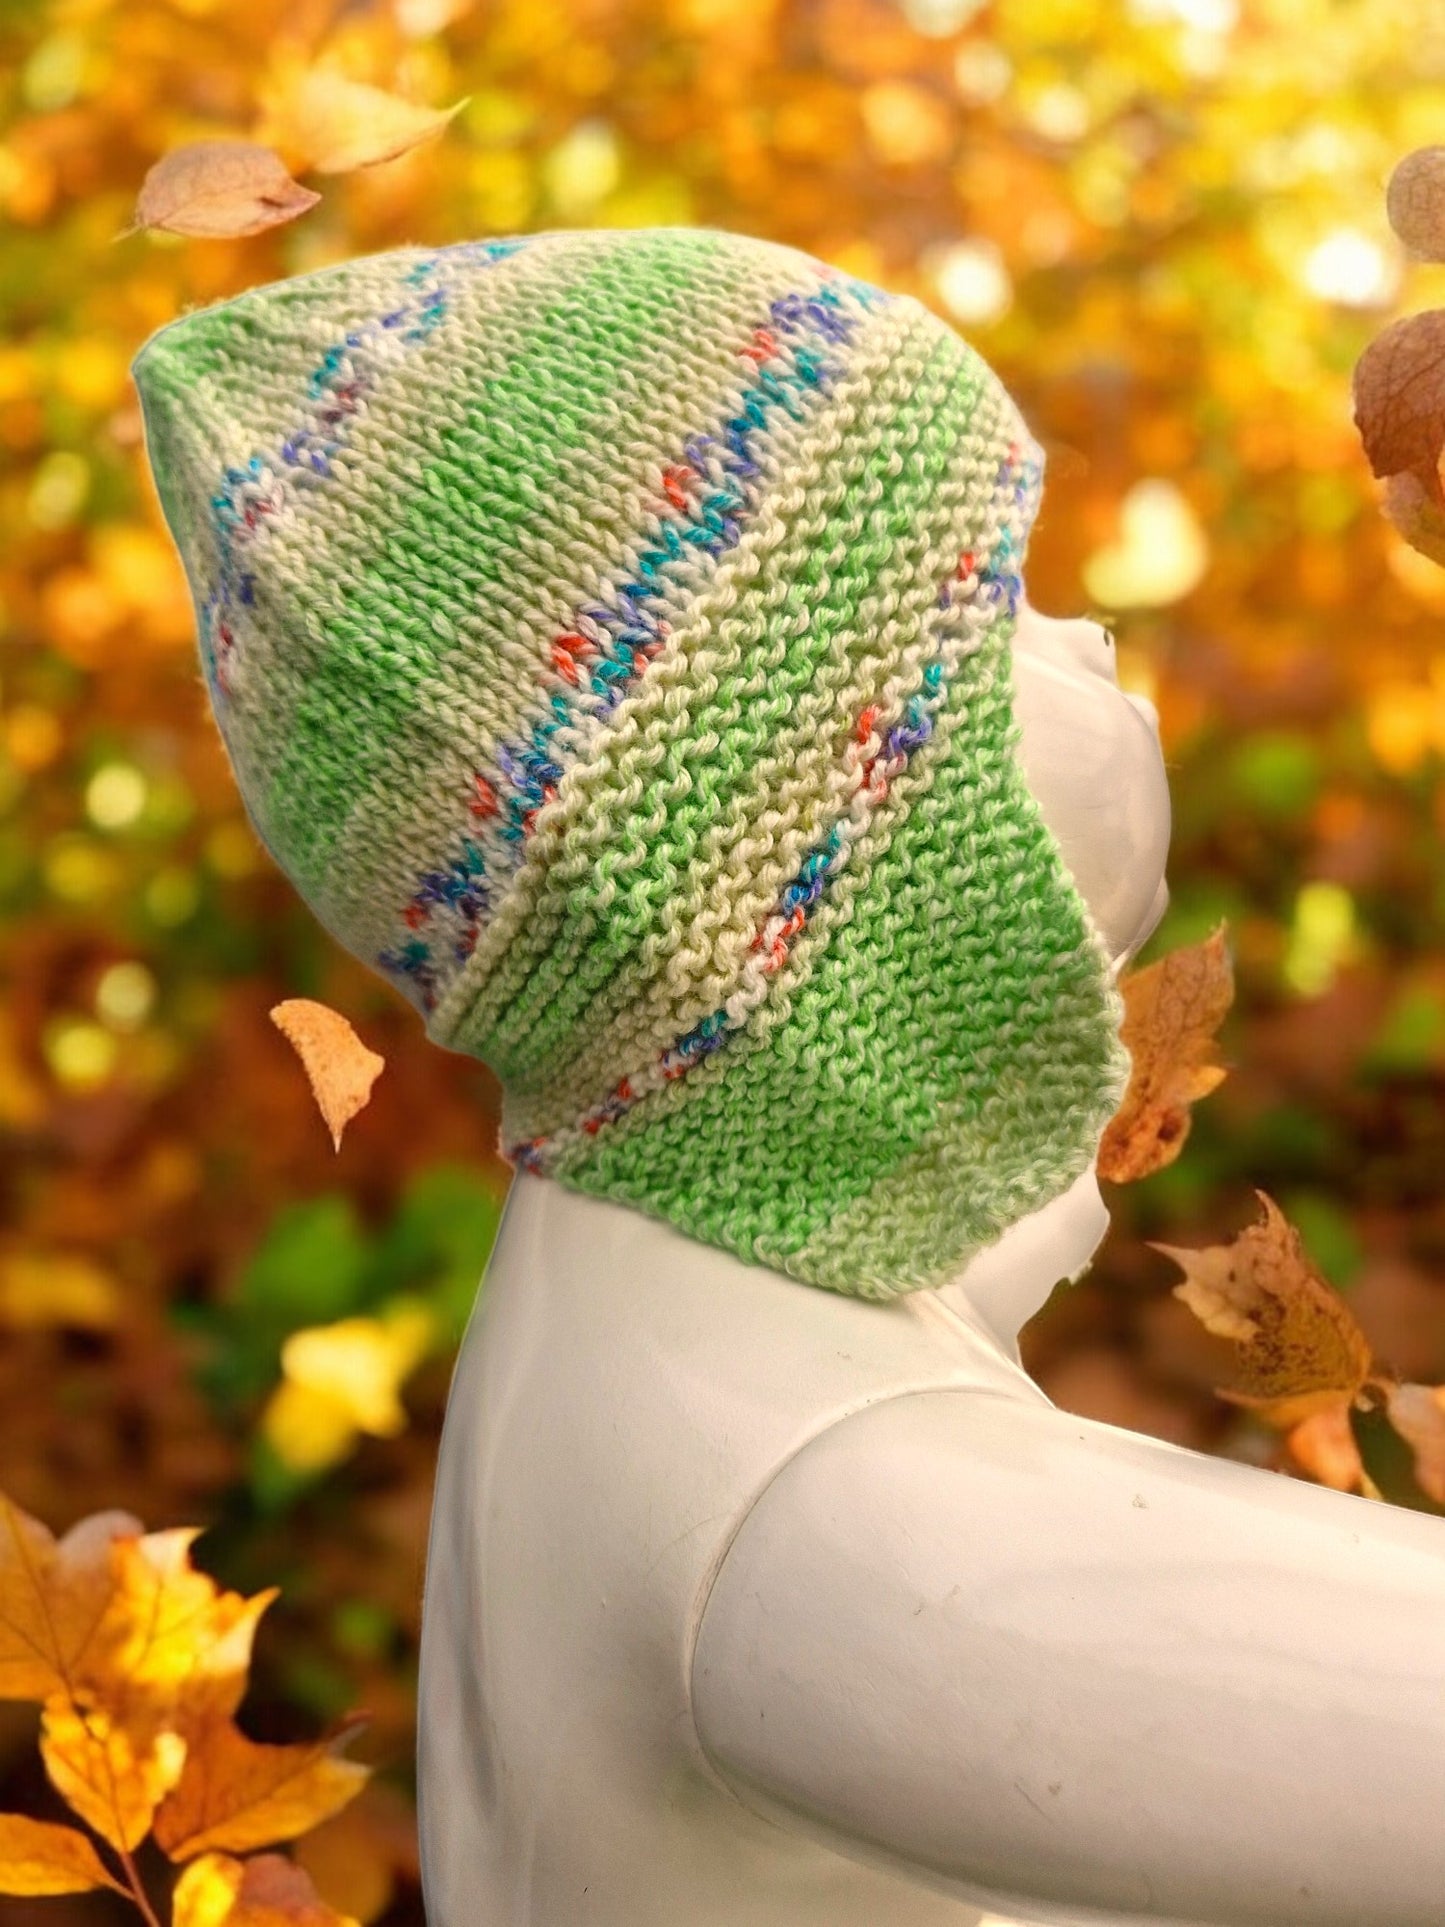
<point x="1417" y="1413"/>
<point x="113" y="1766"/>
<point x="236" y="1794"/>
<point x="53" y="1598"/>
<point x="220" y="190"/>
<point x="1300" y="1351"/>
<point x="340" y="1068"/>
<point x="1400" y="400"/>
<point x="1415" y="202"/>
<point x="38" y="1857"/>
<point x="269" y="1891"/>
<point x="1417" y="515"/>
<point x="335" y="126"/>
<point x="1172" y="1010"/>
<point x="1324" y="1446"/>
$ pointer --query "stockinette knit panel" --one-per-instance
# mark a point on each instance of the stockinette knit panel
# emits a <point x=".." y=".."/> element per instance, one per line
<point x="610" y="634"/>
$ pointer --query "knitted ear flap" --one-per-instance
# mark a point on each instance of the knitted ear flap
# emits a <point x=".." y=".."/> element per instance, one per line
<point x="610" y="633"/>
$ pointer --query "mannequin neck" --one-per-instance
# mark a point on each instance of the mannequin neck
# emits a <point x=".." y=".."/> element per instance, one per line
<point x="997" y="1293"/>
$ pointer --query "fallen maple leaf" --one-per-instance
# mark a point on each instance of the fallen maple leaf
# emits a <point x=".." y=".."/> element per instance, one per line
<point x="53" y="1597"/>
<point x="1417" y="1413"/>
<point x="1415" y="202"/>
<point x="335" y="126"/>
<point x="38" y="1857"/>
<point x="1172" y="1010"/>
<point x="269" y="1891"/>
<point x="236" y="1793"/>
<point x="1300" y="1351"/>
<point x="220" y="190"/>
<point x="340" y="1068"/>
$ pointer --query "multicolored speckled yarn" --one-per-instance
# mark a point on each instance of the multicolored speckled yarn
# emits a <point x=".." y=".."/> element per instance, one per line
<point x="610" y="633"/>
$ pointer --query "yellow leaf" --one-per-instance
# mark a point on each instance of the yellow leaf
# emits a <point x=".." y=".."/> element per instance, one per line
<point x="57" y="1288"/>
<point x="1300" y="1350"/>
<point x="340" y="1068"/>
<point x="53" y="1597"/>
<point x="220" y="190"/>
<point x="1171" y="1011"/>
<point x="269" y="1891"/>
<point x="114" y="1770"/>
<point x="361" y="1362"/>
<point x="235" y="1794"/>
<point x="1417" y="1413"/>
<point x="334" y="125"/>
<point x="37" y="1857"/>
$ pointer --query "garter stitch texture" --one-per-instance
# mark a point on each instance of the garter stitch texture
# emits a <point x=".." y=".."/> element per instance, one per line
<point x="610" y="633"/>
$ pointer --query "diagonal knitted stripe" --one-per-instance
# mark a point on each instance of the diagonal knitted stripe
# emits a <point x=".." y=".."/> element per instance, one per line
<point x="743" y="695"/>
<point x="607" y="641"/>
<point x="821" y="775"/>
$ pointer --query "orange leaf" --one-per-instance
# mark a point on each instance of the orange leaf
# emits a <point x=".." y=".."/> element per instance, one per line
<point x="236" y="1794"/>
<point x="1300" y="1350"/>
<point x="340" y="1067"/>
<point x="1415" y="202"/>
<point x="334" y="125"/>
<point x="269" y="1891"/>
<point x="1324" y="1446"/>
<point x="112" y="1768"/>
<point x="1417" y="1413"/>
<point x="37" y="1857"/>
<point x="53" y="1597"/>
<point x="1400" y="400"/>
<point x="1172" y="1009"/>
<point x="220" y="190"/>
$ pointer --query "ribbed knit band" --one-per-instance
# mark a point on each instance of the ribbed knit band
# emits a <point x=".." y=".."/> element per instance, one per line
<point x="610" y="633"/>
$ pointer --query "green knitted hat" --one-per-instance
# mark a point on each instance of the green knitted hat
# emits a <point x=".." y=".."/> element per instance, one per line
<point x="610" y="633"/>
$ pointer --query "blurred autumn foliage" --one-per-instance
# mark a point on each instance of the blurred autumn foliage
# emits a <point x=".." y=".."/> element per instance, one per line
<point x="1164" y="222"/>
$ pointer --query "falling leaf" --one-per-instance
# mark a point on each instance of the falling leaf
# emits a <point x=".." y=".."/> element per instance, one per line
<point x="1417" y="515"/>
<point x="113" y="1770"/>
<point x="1400" y="400"/>
<point x="38" y="1857"/>
<point x="220" y="190"/>
<point x="1415" y="202"/>
<point x="340" y="1067"/>
<point x="1417" y="1413"/>
<point x="269" y="1891"/>
<point x="334" y="125"/>
<point x="235" y="1794"/>
<point x="1324" y="1446"/>
<point x="53" y="1597"/>
<point x="1172" y="1010"/>
<point x="1300" y="1350"/>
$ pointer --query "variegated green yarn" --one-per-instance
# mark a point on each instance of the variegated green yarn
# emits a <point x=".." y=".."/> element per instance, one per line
<point x="610" y="633"/>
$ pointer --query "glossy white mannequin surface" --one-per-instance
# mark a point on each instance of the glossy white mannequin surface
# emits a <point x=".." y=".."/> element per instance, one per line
<point x="751" y="1605"/>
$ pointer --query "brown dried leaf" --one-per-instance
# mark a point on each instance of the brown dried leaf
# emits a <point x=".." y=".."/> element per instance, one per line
<point x="340" y="1068"/>
<point x="38" y="1857"/>
<point x="1418" y="516"/>
<point x="1417" y="1413"/>
<point x="1171" y="1011"/>
<point x="269" y="1891"/>
<point x="235" y="1794"/>
<point x="1325" y="1447"/>
<point x="1300" y="1350"/>
<point x="1415" y="202"/>
<point x="220" y="190"/>
<point x="335" y="126"/>
<point x="1400" y="400"/>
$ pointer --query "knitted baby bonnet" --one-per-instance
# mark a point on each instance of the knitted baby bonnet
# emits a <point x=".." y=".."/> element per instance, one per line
<point x="610" y="634"/>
